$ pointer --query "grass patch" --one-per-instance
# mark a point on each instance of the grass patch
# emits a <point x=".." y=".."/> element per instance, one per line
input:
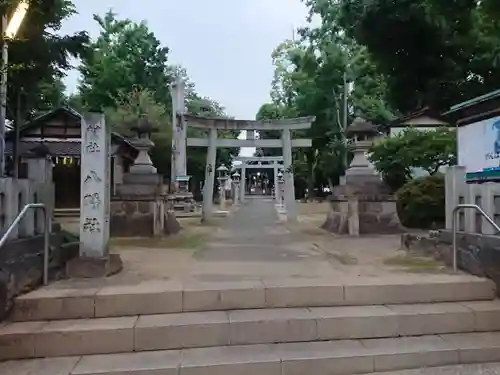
<point x="413" y="263"/>
<point x="69" y="236"/>
<point x="307" y="229"/>
<point x="183" y="240"/>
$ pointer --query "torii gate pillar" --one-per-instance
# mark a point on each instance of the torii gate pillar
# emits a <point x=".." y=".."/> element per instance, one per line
<point x="286" y="143"/>
<point x="290" y="202"/>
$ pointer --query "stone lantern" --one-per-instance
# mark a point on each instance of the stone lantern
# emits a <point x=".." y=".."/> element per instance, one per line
<point x="362" y="203"/>
<point x="222" y="177"/>
<point x="362" y="133"/>
<point x="236" y="177"/>
<point x="142" y="142"/>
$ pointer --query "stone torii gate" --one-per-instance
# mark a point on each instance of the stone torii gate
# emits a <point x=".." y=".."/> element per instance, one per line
<point x="212" y="142"/>
<point x="275" y="162"/>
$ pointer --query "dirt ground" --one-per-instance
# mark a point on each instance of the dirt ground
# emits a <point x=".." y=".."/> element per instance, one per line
<point x="319" y="253"/>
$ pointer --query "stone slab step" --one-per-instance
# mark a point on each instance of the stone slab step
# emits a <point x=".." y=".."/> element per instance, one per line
<point x="241" y="327"/>
<point x="160" y="297"/>
<point x="343" y="357"/>
<point x="475" y="369"/>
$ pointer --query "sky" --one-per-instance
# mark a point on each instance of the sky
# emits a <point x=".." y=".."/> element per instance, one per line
<point x="225" y="45"/>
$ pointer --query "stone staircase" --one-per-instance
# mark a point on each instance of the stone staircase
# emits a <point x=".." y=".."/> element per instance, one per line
<point x="275" y="327"/>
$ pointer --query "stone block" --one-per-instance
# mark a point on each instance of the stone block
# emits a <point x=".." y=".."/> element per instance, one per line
<point x="199" y="296"/>
<point x="147" y="363"/>
<point x="81" y="337"/>
<point x="44" y="366"/>
<point x="355" y="322"/>
<point x="241" y="360"/>
<point x="137" y="191"/>
<point x="142" y="179"/>
<point x="272" y="326"/>
<point x="87" y="267"/>
<point x="486" y="315"/>
<point x="434" y="290"/>
<point x="296" y="292"/>
<point x="410" y="352"/>
<point x="476" y="347"/>
<point x="185" y="330"/>
<point x="148" y="297"/>
<point x="172" y="226"/>
<point x="325" y="358"/>
<point x="54" y="304"/>
<point x="17" y="340"/>
<point x="429" y="319"/>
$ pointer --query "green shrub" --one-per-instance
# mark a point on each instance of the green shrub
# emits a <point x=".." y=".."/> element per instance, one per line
<point x="421" y="202"/>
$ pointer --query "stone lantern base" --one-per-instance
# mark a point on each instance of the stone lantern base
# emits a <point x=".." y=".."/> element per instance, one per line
<point x="362" y="203"/>
<point x="362" y="214"/>
<point x="183" y="199"/>
<point x="140" y="208"/>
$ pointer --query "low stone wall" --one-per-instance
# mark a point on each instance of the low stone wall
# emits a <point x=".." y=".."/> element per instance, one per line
<point x="21" y="265"/>
<point x="476" y="253"/>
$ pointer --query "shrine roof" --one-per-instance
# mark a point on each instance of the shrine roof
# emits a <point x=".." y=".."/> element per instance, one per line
<point x="232" y="124"/>
<point x="60" y="131"/>
<point x="54" y="148"/>
<point x="423" y="117"/>
<point x="474" y="110"/>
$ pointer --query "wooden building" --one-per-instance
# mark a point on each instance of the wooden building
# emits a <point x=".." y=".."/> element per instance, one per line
<point x="57" y="134"/>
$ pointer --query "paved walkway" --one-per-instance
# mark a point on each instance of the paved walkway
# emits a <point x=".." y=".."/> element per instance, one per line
<point x="254" y="234"/>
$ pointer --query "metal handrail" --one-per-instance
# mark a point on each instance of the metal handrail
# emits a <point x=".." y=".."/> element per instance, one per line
<point x="46" y="235"/>
<point x="454" y="226"/>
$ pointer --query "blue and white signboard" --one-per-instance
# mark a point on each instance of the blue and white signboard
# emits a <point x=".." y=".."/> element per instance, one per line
<point x="479" y="145"/>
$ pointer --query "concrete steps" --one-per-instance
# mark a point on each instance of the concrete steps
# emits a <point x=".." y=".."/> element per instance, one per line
<point x="340" y="357"/>
<point x="41" y="339"/>
<point x="162" y="297"/>
<point x="282" y="327"/>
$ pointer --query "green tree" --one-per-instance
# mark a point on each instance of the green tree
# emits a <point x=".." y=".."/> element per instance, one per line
<point x="39" y="56"/>
<point x="127" y="73"/>
<point x="396" y="156"/>
<point x="129" y="109"/>
<point x="126" y="56"/>
<point x="428" y="54"/>
<point x="311" y="77"/>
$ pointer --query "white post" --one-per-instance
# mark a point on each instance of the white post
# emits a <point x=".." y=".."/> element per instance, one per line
<point x="290" y="204"/>
<point x="210" y="170"/>
<point x="94" y="195"/>
<point x="243" y="182"/>
<point x="275" y="169"/>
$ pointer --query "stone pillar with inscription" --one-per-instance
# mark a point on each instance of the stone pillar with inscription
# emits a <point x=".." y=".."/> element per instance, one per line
<point x="94" y="259"/>
<point x="183" y="199"/>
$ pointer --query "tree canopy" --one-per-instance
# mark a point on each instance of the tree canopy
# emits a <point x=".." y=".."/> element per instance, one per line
<point x="39" y="56"/>
<point x="129" y="71"/>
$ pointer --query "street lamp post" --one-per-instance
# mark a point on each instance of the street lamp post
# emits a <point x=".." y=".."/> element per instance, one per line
<point x="9" y="31"/>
